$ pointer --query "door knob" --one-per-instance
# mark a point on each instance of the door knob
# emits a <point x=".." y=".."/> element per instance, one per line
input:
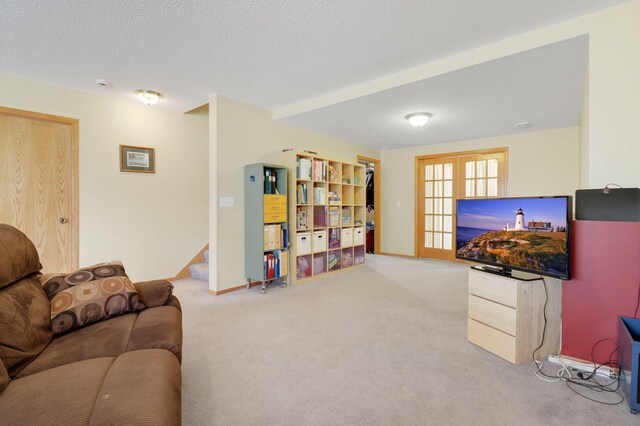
<point x="63" y="220"/>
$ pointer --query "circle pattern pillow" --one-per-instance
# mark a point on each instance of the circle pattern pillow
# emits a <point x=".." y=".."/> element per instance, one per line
<point x="90" y="295"/>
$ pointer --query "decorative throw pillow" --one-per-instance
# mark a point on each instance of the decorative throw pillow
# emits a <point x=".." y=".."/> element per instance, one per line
<point x="55" y="283"/>
<point x="83" y="304"/>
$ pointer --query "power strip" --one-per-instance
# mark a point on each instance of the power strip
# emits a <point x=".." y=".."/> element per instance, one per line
<point x="572" y="364"/>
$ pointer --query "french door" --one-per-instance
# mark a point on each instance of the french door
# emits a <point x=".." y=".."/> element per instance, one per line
<point x="441" y="181"/>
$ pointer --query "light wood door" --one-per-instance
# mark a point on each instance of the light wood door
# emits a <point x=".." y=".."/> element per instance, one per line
<point x="441" y="180"/>
<point x="436" y="211"/>
<point x="39" y="183"/>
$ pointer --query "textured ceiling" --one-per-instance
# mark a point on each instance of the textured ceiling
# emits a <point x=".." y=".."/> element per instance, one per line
<point x="543" y="86"/>
<point x="266" y="53"/>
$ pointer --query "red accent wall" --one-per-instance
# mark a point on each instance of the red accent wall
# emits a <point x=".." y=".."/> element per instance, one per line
<point x="604" y="285"/>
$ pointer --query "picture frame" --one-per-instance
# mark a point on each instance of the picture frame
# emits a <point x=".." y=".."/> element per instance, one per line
<point x="137" y="159"/>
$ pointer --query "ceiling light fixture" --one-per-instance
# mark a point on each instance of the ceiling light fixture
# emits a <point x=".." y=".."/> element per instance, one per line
<point x="419" y="119"/>
<point x="148" y="97"/>
<point x="523" y="125"/>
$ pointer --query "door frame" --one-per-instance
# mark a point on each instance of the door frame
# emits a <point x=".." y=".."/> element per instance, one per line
<point x="74" y="129"/>
<point x="377" y="230"/>
<point x="416" y="191"/>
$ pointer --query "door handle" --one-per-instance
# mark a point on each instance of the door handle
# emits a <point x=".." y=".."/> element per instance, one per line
<point x="63" y="220"/>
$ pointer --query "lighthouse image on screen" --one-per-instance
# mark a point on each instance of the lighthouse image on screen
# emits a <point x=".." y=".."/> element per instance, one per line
<point x="525" y="233"/>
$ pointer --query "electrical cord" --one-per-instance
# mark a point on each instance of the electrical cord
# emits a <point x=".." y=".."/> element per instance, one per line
<point x="587" y="382"/>
<point x="540" y="374"/>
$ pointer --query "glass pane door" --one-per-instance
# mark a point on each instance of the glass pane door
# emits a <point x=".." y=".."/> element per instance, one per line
<point x="443" y="180"/>
<point x="437" y="178"/>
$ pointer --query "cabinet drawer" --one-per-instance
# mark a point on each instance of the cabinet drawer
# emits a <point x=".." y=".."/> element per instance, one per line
<point x="275" y="217"/>
<point x="275" y="199"/>
<point x="495" y="341"/>
<point x="492" y="287"/>
<point x="275" y="208"/>
<point x="493" y="314"/>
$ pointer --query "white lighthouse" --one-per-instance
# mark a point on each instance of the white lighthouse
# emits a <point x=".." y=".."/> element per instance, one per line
<point x="519" y="221"/>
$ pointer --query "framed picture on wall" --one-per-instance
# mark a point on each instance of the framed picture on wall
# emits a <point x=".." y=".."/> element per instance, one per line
<point x="137" y="159"/>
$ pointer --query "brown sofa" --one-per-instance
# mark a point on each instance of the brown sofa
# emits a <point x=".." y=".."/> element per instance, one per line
<point x="121" y="371"/>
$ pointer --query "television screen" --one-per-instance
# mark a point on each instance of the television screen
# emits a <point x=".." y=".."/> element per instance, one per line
<point x="527" y="234"/>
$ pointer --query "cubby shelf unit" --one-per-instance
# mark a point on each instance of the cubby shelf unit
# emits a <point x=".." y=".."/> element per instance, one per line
<point x="328" y="215"/>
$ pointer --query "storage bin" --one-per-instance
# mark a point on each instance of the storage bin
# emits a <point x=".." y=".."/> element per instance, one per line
<point x="346" y="237"/>
<point x="319" y="241"/>
<point x="303" y="243"/>
<point x="629" y="344"/>
<point x="358" y="236"/>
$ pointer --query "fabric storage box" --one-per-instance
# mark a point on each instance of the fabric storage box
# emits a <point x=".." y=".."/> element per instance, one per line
<point x="303" y="243"/>
<point x="358" y="236"/>
<point x="346" y="237"/>
<point x="629" y="353"/>
<point x="319" y="241"/>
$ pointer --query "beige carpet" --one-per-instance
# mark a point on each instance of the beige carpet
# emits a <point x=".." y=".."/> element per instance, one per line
<point x="384" y="344"/>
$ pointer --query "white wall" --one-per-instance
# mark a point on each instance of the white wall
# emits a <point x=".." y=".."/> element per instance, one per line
<point x="246" y="135"/>
<point x="540" y="163"/>
<point x="154" y="223"/>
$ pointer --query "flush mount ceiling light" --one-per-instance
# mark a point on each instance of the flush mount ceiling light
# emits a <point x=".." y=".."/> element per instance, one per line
<point x="523" y="125"/>
<point x="418" y="119"/>
<point x="148" y="97"/>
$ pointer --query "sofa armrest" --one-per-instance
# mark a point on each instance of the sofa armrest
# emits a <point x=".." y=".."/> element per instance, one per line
<point x="173" y="301"/>
<point x="4" y="377"/>
<point x="154" y="293"/>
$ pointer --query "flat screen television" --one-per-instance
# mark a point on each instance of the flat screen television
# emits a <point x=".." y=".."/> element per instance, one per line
<point x="530" y="234"/>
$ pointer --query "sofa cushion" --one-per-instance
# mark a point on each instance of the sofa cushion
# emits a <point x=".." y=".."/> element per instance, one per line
<point x="59" y="396"/>
<point x="55" y="283"/>
<point x="103" y="339"/>
<point x="159" y="327"/>
<point x="25" y="323"/>
<point x="141" y="388"/>
<point x="93" y="301"/>
<point x="18" y="256"/>
<point x="4" y="377"/>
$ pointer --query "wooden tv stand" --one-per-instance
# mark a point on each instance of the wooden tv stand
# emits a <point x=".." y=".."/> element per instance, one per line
<point x="505" y="315"/>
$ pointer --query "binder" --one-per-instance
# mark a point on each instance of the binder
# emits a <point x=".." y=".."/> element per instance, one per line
<point x="265" y="238"/>
<point x="270" y="270"/>
<point x="265" y="266"/>
<point x="277" y="236"/>
<point x="267" y="181"/>
<point x="284" y="263"/>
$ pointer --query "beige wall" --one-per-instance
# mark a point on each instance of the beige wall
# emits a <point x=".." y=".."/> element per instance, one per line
<point x="540" y="163"/>
<point x="246" y="135"/>
<point x="154" y="223"/>
<point x="614" y="97"/>
<point x="584" y="134"/>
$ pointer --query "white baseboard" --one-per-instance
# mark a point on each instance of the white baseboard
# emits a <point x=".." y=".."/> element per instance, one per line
<point x="587" y="367"/>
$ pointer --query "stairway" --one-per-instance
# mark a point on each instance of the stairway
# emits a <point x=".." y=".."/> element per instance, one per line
<point x="200" y="271"/>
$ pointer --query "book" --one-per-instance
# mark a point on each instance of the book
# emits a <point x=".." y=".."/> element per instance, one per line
<point x="301" y="193"/>
<point x="302" y="219"/>
<point x="284" y="263"/>
<point x="320" y="196"/>
<point x="334" y="216"/>
<point x="303" y="168"/>
<point x="334" y="238"/>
